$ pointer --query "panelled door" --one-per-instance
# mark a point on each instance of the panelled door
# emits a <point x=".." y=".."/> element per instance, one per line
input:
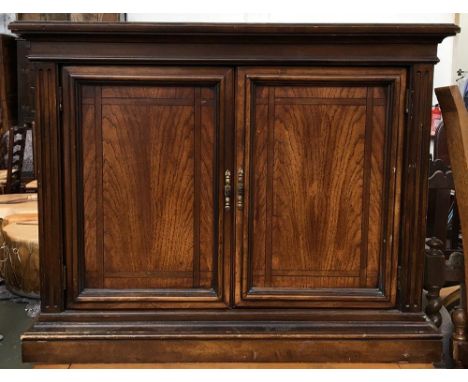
<point x="143" y="172"/>
<point x="318" y="186"/>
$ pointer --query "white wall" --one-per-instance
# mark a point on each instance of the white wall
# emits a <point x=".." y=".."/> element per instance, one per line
<point x="460" y="56"/>
<point x="444" y="73"/>
<point x="5" y="19"/>
<point x="287" y="17"/>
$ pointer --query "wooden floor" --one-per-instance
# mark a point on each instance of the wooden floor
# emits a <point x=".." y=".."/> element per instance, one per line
<point x="402" y="365"/>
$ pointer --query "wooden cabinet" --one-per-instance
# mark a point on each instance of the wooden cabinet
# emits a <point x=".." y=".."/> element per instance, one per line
<point x="232" y="192"/>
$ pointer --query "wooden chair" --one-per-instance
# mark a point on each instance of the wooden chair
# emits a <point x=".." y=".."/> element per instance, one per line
<point x="442" y="214"/>
<point x="440" y="144"/>
<point x="8" y="92"/>
<point x="440" y="192"/>
<point x="10" y="182"/>
<point x="455" y="118"/>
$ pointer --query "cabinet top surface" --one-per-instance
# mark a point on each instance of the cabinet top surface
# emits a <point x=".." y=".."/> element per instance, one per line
<point x="433" y="31"/>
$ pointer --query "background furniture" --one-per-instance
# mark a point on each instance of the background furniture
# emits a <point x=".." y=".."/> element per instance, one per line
<point x="456" y="121"/>
<point x="8" y="88"/>
<point x="19" y="256"/>
<point x="216" y="193"/>
<point x="76" y="17"/>
<point x="26" y="79"/>
<point x="8" y="101"/>
<point x="16" y="147"/>
<point x="442" y="216"/>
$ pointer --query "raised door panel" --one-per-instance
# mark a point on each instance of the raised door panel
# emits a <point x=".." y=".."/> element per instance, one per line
<point x="319" y="149"/>
<point x="146" y="185"/>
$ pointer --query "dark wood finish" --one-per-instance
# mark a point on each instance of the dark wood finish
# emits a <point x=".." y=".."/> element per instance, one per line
<point x="16" y="145"/>
<point x="442" y="220"/>
<point x="438" y="273"/>
<point x="325" y="144"/>
<point x="415" y="186"/>
<point x="232" y="350"/>
<point x="319" y="227"/>
<point x="48" y="155"/>
<point x="237" y="365"/>
<point x="456" y="122"/>
<point x="8" y="88"/>
<point x="232" y="44"/>
<point x="146" y="186"/>
<point x="440" y="144"/>
<point x="26" y="84"/>
<point x="441" y="202"/>
<point x="410" y="32"/>
<point x="26" y="96"/>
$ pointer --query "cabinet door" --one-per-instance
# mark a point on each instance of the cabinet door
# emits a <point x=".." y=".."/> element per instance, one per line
<point x="320" y="152"/>
<point x="143" y="166"/>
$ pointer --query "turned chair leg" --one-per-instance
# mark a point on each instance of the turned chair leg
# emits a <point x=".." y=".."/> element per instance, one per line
<point x="434" y="278"/>
<point x="459" y="320"/>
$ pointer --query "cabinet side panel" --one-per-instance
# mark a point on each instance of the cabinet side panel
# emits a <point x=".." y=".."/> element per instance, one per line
<point x="415" y="186"/>
<point x="50" y="189"/>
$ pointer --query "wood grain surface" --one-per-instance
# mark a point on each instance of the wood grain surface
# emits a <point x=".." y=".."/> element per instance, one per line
<point x="152" y="187"/>
<point x="318" y="152"/>
<point x="234" y="365"/>
<point x="151" y="156"/>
